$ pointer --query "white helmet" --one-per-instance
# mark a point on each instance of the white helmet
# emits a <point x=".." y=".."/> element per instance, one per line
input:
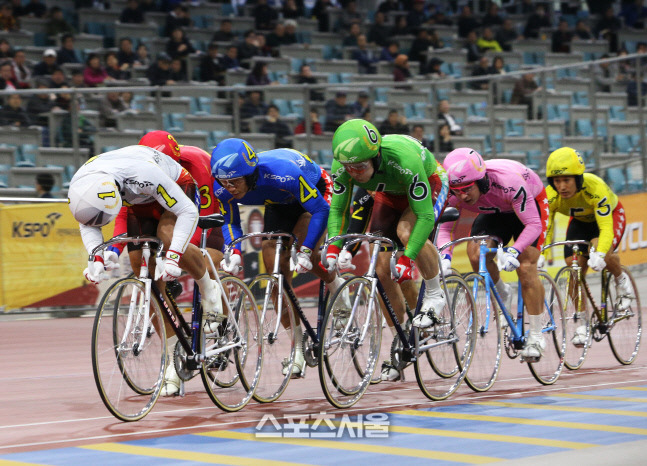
<point x="94" y="199"/>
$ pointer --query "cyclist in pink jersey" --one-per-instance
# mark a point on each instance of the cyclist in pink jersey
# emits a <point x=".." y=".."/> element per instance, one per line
<point x="511" y="203"/>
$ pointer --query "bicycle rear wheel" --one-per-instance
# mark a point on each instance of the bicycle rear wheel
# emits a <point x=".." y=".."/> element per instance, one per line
<point x="568" y="283"/>
<point x="347" y="356"/>
<point x="625" y="326"/>
<point x="487" y="354"/>
<point x="549" y="366"/>
<point x="453" y="338"/>
<point x="278" y="346"/>
<point x="128" y="374"/>
<point x="234" y="353"/>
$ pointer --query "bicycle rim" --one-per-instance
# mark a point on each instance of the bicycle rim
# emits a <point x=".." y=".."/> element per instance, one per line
<point x="454" y="337"/>
<point x="231" y="373"/>
<point x="128" y="375"/>
<point x="346" y="359"/>
<point x="626" y="325"/>
<point x="278" y="346"/>
<point x="575" y="316"/>
<point x="549" y="366"/>
<point x="487" y="354"/>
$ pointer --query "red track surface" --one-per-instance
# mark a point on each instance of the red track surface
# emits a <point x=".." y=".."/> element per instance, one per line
<point x="49" y="399"/>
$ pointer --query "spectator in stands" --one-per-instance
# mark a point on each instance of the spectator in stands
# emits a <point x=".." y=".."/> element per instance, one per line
<point x="132" y="14"/>
<point x="445" y="143"/>
<point x="259" y="76"/>
<point x="632" y="91"/>
<point x="436" y="41"/>
<point x="391" y="51"/>
<point x="293" y="9"/>
<point x="253" y="105"/>
<point x="439" y="17"/>
<point x="224" y="34"/>
<point x="473" y="50"/>
<point x="63" y="101"/>
<point x="248" y="48"/>
<point x="539" y="19"/>
<point x="211" y="68"/>
<point x="7" y="79"/>
<point x="641" y="48"/>
<point x="315" y="125"/>
<point x="83" y="126"/>
<point x="21" y="70"/>
<point x="606" y="74"/>
<point x="148" y="5"/>
<point x="419" y="47"/>
<point x="400" y="28"/>
<point x="8" y="22"/>
<point x="348" y="16"/>
<point x="305" y="77"/>
<point x="353" y="32"/>
<point x="416" y="18"/>
<point x="159" y="73"/>
<point x="109" y="107"/>
<point x="390" y="5"/>
<point x="483" y="69"/>
<point x="40" y="104"/>
<point x="120" y="73"/>
<point x="561" y="39"/>
<point x="47" y="65"/>
<point x="607" y="28"/>
<point x="262" y="46"/>
<point x="278" y="37"/>
<point x="178" y="18"/>
<point x="143" y="58"/>
<point x="506" y="35"/>
<point x="67" y="53"/>
<point x="394" y="123"/>
<point x="94" y="74"/>
<point x="488" y="42"/>
<point x="264" y="16"/>
<point x="634" y="13"/>
<point x="319" y="11"/>
<point x="13" y="114"/>
<point x="337" y="111"/>
<point x="498" y="65"/>
<point x="126" y="55"/>
<point x="523" y="91"/>
<point x="291" y="31"/>
<point x="492" y="17"/>
<point x="34" y="8"/>
<point x="230" y="58"/>
<point x="18" y="8"/>
<point x="361" y="105"/>
<point x="582" y="30"/>
<point x="433" y="68"/>
<point x="401" y="72"/>
<point x="178" y="45"/>
<point x="57" y="79"/>
<point x="443" y="114"/>
<point x="274" y="125"/>
<point x="127" y="99"/>
<point x="6" y="50"/>
<point x="466" y="22"/>
<point x="418" y="132"/>
<point x="57" y="24"/>
<point x="44" y="184"/>
<point x="379" y="31"/>
<point x="365" y="57"/>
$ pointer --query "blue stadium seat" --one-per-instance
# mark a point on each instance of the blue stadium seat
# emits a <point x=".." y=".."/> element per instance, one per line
<point x="27" y="155"/>
<point x="581" y="98"/>
<point x="283" y="106"/>
<point x="622" y="143"/>
<point x="216" y="136"/>
<point x="173" y="122"/>
<point x="617" y="179"/>
<point x="296" y="107"/>
<point x="554" y="141"/>
<point x="536" y="159"/>
<point x="583" y="128"/>
<point x="617" y="112"/>
<point x="514" y="127"/>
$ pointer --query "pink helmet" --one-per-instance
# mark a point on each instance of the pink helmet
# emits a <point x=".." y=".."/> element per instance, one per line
<point x="464" y="166"/>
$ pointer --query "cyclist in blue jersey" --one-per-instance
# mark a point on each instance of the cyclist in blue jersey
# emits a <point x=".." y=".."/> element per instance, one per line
<point x="296" y="193"/>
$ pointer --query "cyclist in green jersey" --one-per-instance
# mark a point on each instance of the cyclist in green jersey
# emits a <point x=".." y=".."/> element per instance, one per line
<point x="404" y="176"/>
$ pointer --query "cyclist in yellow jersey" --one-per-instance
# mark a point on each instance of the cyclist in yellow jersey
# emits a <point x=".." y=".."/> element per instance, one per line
<point x="596" y="215"/>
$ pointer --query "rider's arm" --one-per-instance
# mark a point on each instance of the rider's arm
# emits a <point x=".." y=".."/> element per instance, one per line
<point x="524" y="205"/>
<point x="446" y="230"/>
<point x="603" y="207"/>
<point x="553" y="199"/>
<point x="121" y="227"/>
<point x="312" y="201"/>
<point x="421" y="203"/>
<point x="92" y="237"/>
<point x="340" y="204"/>
<point x="231" y="230"/>
<point x="441" y="199"/>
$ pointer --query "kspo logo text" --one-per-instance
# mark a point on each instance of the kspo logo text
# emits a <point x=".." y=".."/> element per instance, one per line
<point x="30" y="229"/>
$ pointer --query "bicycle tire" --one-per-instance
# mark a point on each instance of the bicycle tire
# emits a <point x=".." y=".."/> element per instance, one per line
<point x="346" y="362"/>
<point x="625" y="326"/>
<point x="128" y="377"/>
<point x="455" y="336"/>
<point x="549" y="367"/>
<point x="276" y="348"/>
<point x="486" y="361"/>
<point x="240" y="364"/>
<point x="567" y="282"/>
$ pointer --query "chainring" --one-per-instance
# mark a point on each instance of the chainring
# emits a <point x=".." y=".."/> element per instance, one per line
<point x="309" y="351"/>
<point x="397" y="361"/>
<point x="179" y="357"/>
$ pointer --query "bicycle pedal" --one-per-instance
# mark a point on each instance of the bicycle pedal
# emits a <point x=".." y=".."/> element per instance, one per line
<point x="529" y="359"/>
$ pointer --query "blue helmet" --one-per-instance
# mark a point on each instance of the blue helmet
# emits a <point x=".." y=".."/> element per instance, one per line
<point x="233" y="158"/>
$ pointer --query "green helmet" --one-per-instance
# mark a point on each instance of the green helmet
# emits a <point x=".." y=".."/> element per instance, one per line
<point x="355" y="141"/>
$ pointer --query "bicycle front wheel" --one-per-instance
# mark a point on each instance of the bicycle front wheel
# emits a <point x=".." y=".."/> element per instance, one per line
<point x="278" y="340"/>
<point x="549" y="366"/>
<point x="128" y="350"/>
<point x="349" y="343"/>
<point x="625" y="325"/>
<point x="576" y="317"/>
<point x="487" y="354"/>
<point x="234" y="353"/>
<point x="447" y="347"/>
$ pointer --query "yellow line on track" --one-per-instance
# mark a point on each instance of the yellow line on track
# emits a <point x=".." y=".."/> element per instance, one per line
<point x="182" y="455"/>
<point x="524" y="421"/>
<point x="636" y="389"/>
<point x="600" y="397"/>
<point x="572" y="409"/>
<point x="359" y="447"/>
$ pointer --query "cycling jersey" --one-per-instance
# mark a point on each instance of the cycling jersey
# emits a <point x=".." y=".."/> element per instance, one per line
<point x="404" y="169"/>
<point x="144" y="175"/>
<point x="513" y="188"/>
<point x="595" y="202"/>
<point x="284" y="176"/>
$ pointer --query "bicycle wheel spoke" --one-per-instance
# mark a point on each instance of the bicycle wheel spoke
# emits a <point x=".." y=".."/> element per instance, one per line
<point x="577" y="324"/>
<point x="625" y="324"/>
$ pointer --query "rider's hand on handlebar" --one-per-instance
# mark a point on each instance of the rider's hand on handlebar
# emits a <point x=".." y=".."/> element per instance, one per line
<point x="345" y="260"/>
<point x="446" y="264"/>
<point x="303" y="263"/>
<point x="169" y="269"/>
<point x="332" y="256"/>
<point x="541" y="262"/>
<point x="95" y="271"/>
<point x="233" y="265"/>
<point x="405" y="268"/>
<point x="596" y="261"/>
<point x="111" y="259"/>
<point x="508" y="259"/>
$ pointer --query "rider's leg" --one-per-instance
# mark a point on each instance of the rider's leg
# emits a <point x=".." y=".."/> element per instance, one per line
<point x="532" y="292"/>
<point x="473" y="252"/>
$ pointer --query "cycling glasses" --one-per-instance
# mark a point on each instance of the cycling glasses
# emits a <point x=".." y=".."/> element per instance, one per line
<point x="463" y="189"/>
<point x="357" y="167"/>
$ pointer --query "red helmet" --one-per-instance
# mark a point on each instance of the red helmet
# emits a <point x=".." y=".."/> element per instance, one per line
<point x="163" y="142"/>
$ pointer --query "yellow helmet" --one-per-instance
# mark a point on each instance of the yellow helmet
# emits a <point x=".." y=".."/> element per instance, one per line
<point x="565" y="161"/>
